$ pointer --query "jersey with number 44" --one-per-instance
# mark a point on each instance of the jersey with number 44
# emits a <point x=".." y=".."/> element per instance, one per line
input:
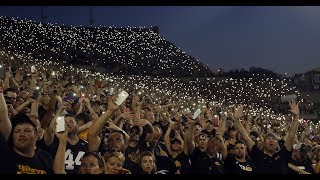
<point x="73" y="156"/>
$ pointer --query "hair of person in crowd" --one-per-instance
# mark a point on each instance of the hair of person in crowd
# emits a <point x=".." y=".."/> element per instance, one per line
<point x="114" y="162"/>
<point x="92" y="163"/>
<point x="147" y="163"/>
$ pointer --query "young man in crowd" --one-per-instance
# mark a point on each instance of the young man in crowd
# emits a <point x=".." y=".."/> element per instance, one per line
<point x="18" y="151"/>
<point x="239" y="163"/>
<point x="270" y="160"/>
<point x="204" y="159"/>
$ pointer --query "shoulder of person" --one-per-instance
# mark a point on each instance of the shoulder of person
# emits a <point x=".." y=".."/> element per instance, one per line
<point x="43" y="153"/>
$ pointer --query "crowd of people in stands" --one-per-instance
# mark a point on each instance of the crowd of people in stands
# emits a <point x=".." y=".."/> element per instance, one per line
<point x="62" y="119"/>
<point x="131" y="51"/>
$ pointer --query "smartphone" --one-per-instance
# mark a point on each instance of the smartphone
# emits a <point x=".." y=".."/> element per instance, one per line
<point x="111" y="91"/>
<point x="33" y="69"/>
<point x="215" y="121"/>
<point x="70" y="96"/>
<point x="60" y="124"/>
<point x="121" y="98"/>
<point x="196" y="114"/>
<point x="2" y="72"/>
<point x="80" y="87"/>
<point x="36" y="93"/>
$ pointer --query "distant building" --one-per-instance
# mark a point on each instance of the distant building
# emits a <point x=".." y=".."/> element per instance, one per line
<point x="309" y="80"/>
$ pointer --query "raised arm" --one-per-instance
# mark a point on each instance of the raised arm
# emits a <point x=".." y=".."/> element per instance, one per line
<point x="92" y="112"/>
<point x="93" y="132"/>
<point x="125" y="115"/>
<point x="80" y="106"/>
<point x="5" y="124"/>
<point x="295" y="168"/>
<point x="294" y="108"/>
<point x="167" y="140"/>
<point x="112" y="127"/>
<point x="219" y="134"/>
<point x="59" y="159"/>
<point x="23" y="106"/>
<point x="50" y="113"/>
<point x="50" y="130"/>
<point x="236" y="118"/>
<point x="190" y="136"/>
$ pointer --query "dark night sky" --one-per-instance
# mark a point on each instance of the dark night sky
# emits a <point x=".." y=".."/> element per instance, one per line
<point x="282" y="39"/>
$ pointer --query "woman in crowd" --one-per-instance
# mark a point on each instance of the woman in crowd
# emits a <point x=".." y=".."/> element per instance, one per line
<point x="114" y="162"/>
<point x="147" y="163"/>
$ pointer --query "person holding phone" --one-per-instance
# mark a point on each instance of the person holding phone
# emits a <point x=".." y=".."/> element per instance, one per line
<point x="18" y="151"/>
<point x="75" y="148"/>
<point x="117" y="140"/>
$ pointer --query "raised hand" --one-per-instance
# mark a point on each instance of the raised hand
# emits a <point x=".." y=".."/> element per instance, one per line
<point x="238" y="112"/>
<point x="86" y="102"/>
<point x="177" y="116"/>
<point x="140" y="122"/>
<point x="127" y="115"/>
<point x="62" y="136"/>
<point x="249" y="118"/>
<point x="123" y="171"/>
<point x="294" y="107"/>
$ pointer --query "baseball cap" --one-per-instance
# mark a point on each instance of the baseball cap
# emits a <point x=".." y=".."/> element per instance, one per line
<point x="300" y="147"/>
<point x="175" y="140"/>
<point x="17" y="119"/>
<point x="21" y="118"/>
<point x="270" y="134"/>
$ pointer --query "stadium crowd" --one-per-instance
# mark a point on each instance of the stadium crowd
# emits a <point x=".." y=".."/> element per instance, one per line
<point x="243" y="126"/>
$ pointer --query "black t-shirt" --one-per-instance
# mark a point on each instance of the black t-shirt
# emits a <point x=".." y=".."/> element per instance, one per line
<point x="233" y="166"/>
<point x="73" y="154"/>
<point x="305" y="165"/>
<point x="201" y="163"/>
<point x="131" y="162"/>
<point x="42" y="112"/>
<point x="13" y="163"/>
<point x="277" y="164"/>
<point x="144" y="146"/>
<point x="166" y="165"/>
<point x="182" y="161"/>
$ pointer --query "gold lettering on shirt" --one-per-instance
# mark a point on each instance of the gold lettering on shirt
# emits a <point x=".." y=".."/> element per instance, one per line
<point x="245" y="168"/>
<point x="23" y="169"/>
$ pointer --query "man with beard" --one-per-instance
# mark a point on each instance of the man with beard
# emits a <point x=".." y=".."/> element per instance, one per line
<point x="178" y="151"/>
<point x="132" y="154"/>
<point x="269" y="160"/>
<point x="76" y="147"/>
<point x="204" y="158"/>
<point x="238" y="163"/>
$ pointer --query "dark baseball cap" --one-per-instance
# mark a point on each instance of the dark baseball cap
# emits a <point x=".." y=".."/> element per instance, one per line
<point x="174" y="140"/>
<point x="270" y="134"/>
<point x="21" y="118"/>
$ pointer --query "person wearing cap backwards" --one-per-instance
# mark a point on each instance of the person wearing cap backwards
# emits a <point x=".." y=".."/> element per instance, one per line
<point x="18" y="151"/>
<point x="270" y="160"/>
